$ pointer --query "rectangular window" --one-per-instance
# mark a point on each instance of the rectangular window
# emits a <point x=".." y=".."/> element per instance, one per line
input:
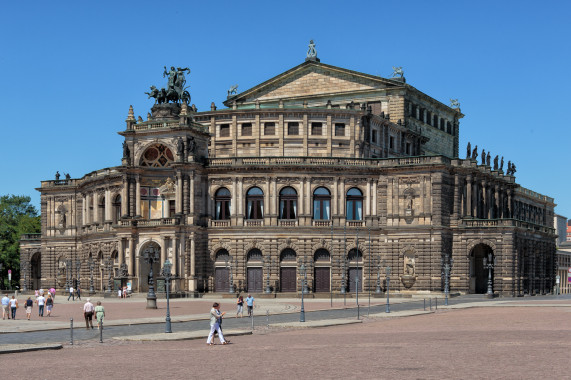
<point x="293" y="129"/>
<point x="449" y="127"/>
<point x="442" y="124"/>
<point x="269" y="129"/>
<point x="247" y="129"/>
<point x="391" y="142"/>
<point x="340" y="129"/>
<point x="407" y="148"/>
<point x="316" y="129"/>
<point x="225" y="130"/>
<point x="374" y="137"/>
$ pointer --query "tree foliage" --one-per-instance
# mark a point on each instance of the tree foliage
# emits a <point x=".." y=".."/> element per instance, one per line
<point x="17" y="217"/>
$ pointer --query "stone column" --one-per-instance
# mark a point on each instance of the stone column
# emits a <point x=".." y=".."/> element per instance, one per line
<point x="374" y="208"/>
<point x="456" y="204"/>
<point x="121" y="252"/>
<point x="300" y="198"/>
<point x="335" y="200"/>
<point x="510" y="207"/>
<point x="499" y="212"/>
<point x="469" y="195"/>
<point x="132" y="198"/>
<point x="124" y="198"/>
<point x="192" y="282"/>
<point x="95" y="215"/>
<point x="185" y="204"/>
<point x="108" y="217"/>
<point x="138" y="196"/>
<point x="175" y="255"/>
<point x="85" y="209"/>
<point x="131" y="256"/>
<point x="178" y="193"/>
<point x="192" y="210"/>
<point x="164" y="247"/>
<point x="484" y="202"/>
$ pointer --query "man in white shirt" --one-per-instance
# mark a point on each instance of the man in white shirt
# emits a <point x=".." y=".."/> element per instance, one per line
<point x="88" y="309"/>
<point x="71" y="294"/>
<point x="5" y="303"/>
<point x="41" y="301"/>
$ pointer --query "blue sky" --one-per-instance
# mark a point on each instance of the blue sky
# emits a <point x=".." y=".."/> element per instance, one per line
<point x="70" y="70"/>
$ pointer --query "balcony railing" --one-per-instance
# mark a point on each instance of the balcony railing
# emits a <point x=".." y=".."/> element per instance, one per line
<point x="490" y="223"/>
<point x="254" y="222"/>
<point x="321" y="223"/>
<point x="354" y="223"/>
<point x="220" y="223"/>
<point x="288" y="223"/>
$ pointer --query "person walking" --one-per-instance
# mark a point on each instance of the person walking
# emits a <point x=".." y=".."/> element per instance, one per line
<point x="41" y="300"/>
<point x="49" y="305"/>
<point x="99" y="314"/>
<point x="71" y="294"/>
<point x="13" y="306"/>
<point x="88" y="310"/>
<point x="5" y="306"/>
<point x="29" y="306"/>
<point x="215" y="316"/>
<point x="78" y="291"/>
<point x="250" y="304"/>
<point x="240" y="306"/>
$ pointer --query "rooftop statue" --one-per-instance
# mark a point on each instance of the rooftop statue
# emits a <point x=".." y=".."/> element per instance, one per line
<point x="454" y="103"/>
<point x="398" y="72"/>
<point x="233" y="90"/>
<point x="502" y="164"/>
<point x="311" y="52"/>
<point x="488" y="158"/>
<point x="176" y="91"/>
<point x="475" y="153"/>
<point x="496" y="162"/>
<point x="483" y="156"/>
<point x="468" y="150"/>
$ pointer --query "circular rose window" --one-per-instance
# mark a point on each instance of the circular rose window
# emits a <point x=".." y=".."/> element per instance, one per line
<point x="157" y="156"/>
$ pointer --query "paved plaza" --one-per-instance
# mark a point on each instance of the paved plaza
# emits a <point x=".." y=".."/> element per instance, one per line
<point x="514" y="339"/>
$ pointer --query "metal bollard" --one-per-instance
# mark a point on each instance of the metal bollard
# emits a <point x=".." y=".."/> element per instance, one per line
<point x="436" y="302"/>
<point x="430" y="304"/>
<point x="424" y="304"/>
<point x="268" y="318"/>
<point x="252" y="318"/>
<point x="101" y="332"/>
<point x="71" y="331"/>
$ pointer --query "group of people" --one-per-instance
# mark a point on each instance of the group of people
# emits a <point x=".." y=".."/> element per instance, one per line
<point x="10" y="305"/>
<point x="73" y="292"/>
<point x="216" y="317"/>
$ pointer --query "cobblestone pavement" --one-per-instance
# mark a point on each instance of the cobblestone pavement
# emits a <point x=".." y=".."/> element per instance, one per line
<point x="475" y="343"/>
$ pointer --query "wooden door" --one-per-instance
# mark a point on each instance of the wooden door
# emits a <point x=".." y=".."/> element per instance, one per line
<point x="287" y="279"/>
<point x="254" y="280"/>
<point x="353" y="273"/>
<point x="222" y="282"/>
<point x="322" y="282"/>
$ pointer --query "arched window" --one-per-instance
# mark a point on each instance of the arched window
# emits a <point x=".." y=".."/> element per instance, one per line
<point x="222" y="198"/>
<point x="288" y="254"/>
<point x="254" y="255"/>
<point x="321" y="203"/>
<point x="157" y="156"/>
<point x="354" y="204"/>
<point x="322" y="255"/>
<point x="288" y="203"/>
<point x="255" y="203"/>
<point x="117" y="209"/>
<point x="222" y="255"/>
<point x="355" y="255"/>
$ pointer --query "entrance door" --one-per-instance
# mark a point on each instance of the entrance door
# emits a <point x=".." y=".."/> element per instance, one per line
<point x="287" y="279"/>
<point x="353" y="273"/>
<point x="222" y="283"/>
<point x="322" y="279"/>
<point x="479" y="274"/>
<point x="254" y="280"/>
<point x="36" y="271"/>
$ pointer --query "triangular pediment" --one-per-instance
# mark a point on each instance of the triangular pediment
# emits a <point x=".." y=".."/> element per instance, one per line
<point x="312" y="79"/>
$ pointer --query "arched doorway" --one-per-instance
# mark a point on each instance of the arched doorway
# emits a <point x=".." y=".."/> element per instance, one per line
<point x="254" y="262"/>
<point x="151" y="249"/>
<point x="288" y="270"/>
<point x="479" y="274"/>
<point x="322" y="269"/>
<point x="221" y="271"/>
<point x="36" y="270"/>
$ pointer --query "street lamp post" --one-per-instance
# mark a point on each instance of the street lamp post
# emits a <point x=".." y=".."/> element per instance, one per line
<point x="269" y="262"/>
<point x="68" y="275"/>
<point x="91" y="267"/>
<point x="167" y="275"/>
<point x="447" y="266"/>
<point x="302" y="273"/>
<point x="378" y="289"/>
<point x="78" y="271"/>
<point x="388" y="308"/>
<point x="490" y="263"/>
<point x="151" y="256"/>
<point x="109" y="267"/>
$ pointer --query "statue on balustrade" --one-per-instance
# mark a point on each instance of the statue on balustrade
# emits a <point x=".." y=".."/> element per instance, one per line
<point x="496" y="162"/>
<point x="468" y="150"/>
<point x="475" y="153"/>
<point x="488" y="159"/>
<point x="483" y="156"/>
<point x="502" y="164"/>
